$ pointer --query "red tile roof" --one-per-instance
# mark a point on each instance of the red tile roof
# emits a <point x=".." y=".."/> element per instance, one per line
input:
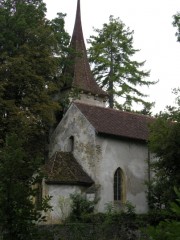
<point x="78" y="71"/>
<point x="116" y="122"/>
<point x="62" y="168"/>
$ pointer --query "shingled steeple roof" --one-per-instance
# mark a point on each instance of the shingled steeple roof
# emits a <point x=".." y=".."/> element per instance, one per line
<point x="78" y="72"/>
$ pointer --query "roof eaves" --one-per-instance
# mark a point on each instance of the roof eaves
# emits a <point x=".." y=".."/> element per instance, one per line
<point x="118" y="136"/>
<point x="56" y="182"/>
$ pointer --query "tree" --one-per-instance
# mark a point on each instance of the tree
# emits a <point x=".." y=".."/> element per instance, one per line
<point x="111" y="53"/>
<point x="30" y="64"/>
<point x="167" y="229"/>
<point x="17" y="209"/>
<point x="176" y="23"/>
<point x="31" y="53"/>
<point x="164" y="142"/>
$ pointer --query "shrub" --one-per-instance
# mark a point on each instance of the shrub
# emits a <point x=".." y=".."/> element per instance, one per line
<point x="168" y="229"/>
<point x="80" y="207"/>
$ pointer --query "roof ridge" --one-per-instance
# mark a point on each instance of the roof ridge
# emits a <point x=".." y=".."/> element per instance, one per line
<point x="112" y="109"/>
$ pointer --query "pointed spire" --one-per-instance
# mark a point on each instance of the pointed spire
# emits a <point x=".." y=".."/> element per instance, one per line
<point x="77" y="36"/>
<point x="81" y="75"/>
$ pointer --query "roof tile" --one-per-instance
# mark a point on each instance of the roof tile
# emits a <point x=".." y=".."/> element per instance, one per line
<point x="115" y="122"/>
<point x="62" y="168"/>
<point x="78" y="74"/>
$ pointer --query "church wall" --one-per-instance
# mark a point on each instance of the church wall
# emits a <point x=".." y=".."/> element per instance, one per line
<point x="60" y="201"/>
<point x="75" y="124"/>
<point x="91" y="100"/>
<point x="131" y="157"/>
<point x="101" y="156"/>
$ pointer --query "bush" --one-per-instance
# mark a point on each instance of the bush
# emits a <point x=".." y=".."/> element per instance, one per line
<point x="80" y="207"/>
<point x="169" y="228"/>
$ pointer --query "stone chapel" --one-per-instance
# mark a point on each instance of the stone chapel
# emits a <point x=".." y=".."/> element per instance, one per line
<point x="99" y="152"/>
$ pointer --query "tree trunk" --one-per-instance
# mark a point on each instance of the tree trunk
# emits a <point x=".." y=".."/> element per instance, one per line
<point x="111" y="85"/>
<point x="111" y="96"/>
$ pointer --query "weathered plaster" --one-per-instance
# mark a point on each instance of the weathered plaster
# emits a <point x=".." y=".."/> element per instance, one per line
<point x="92" y="100"/>
<point x="131" y="157"/>
<point x="100" y="157"/>
<point x="60" y="201"/>
<point x="75" y="124"/>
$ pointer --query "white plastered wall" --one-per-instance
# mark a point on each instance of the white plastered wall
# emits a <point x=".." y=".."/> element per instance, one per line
<point x="131" y="157"/>
<point x="60" y="201"/>
<point x="101" y="156"/>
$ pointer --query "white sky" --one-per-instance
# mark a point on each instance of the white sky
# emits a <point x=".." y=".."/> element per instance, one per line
<point x="154" y="35"/>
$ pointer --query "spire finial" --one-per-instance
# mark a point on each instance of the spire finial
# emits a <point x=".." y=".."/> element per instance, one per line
<point x="77" y="32"/>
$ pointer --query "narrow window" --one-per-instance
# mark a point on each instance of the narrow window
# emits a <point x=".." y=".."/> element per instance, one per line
<point x="118" y="185"/>
<point x="71" y="144"/>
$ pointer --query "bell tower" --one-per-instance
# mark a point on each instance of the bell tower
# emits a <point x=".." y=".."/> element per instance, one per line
<point x="79" y="82"/>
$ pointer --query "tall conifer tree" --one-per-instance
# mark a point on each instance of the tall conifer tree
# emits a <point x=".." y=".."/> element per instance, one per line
<point x="111" y="53"/>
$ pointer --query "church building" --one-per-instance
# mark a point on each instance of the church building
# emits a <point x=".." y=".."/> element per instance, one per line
<point x="96" y="151"/>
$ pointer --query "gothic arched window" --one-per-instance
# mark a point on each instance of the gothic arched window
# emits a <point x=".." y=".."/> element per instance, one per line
<point x="118" y="185"/>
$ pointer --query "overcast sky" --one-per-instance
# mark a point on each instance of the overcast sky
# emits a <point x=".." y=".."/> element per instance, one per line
<point x="154" y="35"/>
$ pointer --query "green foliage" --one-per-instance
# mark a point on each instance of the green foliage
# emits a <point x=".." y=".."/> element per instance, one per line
<point x="126" y="208"/>
<point x="80" y="207"/>
<point x="176" y="23"/>
<point x="16" y="193"/>
<point x="31" y="53"/>
<point x="117" y="214"/>
<point x="167" y="229"/>
<point x="164" y="142"/>
<point x="116" y="223"/>
<point x="30" y="65"/>
<point x="154" y="217"/>
<point x="111" y="54"/>
<point x="175" y="206"/>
